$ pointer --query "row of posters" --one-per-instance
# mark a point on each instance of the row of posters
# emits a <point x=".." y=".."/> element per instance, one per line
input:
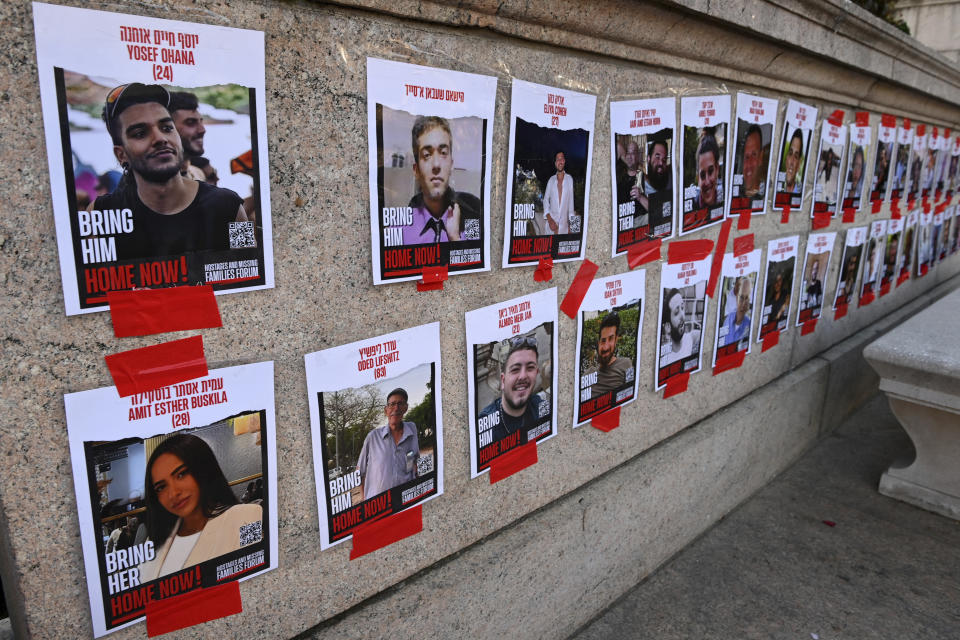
<point x="157" y="152"/>
<point x="176" y="488"/>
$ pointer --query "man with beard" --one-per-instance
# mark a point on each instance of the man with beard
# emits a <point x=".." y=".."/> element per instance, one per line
<point x="629" y="176"/>
<point x="814" y="290"/>
<point x="558" y="197"/>
<point x="611" y="371"/>
<point x="737" y="322"/>
<point x="657" y="184"/>
<point x="186" y="117"/>
<point x="674" y="318"/>
<point x="171" y="214"/>
<point x="517" y="408"/>
<point x="752" y="157"/>
<point x="439" y="214"/>
<point x="388" y="457"/>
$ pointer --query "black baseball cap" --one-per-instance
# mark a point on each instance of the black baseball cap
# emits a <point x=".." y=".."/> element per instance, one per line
<point x="125" y="95"/>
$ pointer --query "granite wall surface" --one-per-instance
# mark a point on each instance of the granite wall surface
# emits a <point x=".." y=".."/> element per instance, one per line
<point x="826" y="52"/>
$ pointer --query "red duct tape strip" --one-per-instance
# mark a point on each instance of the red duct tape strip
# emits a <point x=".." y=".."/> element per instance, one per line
<point x="924" y="269"/>
<point x="821" y="219"/>
<point x="848" y="214"/>
<point x="726" y="363"/>
<point x="866" y="299"/>
<point x="903" y="278"/>
<point x="718" y="256"/>
<point x="926" y="201"/>
<point x="862" y="118"/>
<point x="772" y="339"/>
<point x="940" y="208"/>
<point x="836" y="118"/>
<point x="808" y="327"/>
<point x="513" y="461"/>
<point x="895" y="214"/>
<point x="895" y="207"/>
<point x="578" y="288"/>
<point x="643" y="253"/>
<point x="385" y="531"/>
<point x="742" y="245"/>
<point x="148" y="368"/>
<point x="875" y="208"/>
<point x="688" y="250"/>
<point x="432" y="278"/>
<point x="926" y="207"/>
<point x="608" y="420"/>
<point x="884" y="289"/>
<point x="921" y="129"/>
<point x="544" y="271"/>
<point x="906" y="123"/>
<point x="935" y="132"/>
<point x="744" y="222"/>
<point x="785" y="216"/>
<point x="192" y="608"/>
<point x="143" y="312"/>
<point x="841" y="311"/>
<point x="888" y="120"/>
<point x="677" y="384"/>
<point x="947" y="132"/>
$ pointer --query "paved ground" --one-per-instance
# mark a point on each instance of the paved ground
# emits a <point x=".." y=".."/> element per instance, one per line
<point x="774" y="569"/>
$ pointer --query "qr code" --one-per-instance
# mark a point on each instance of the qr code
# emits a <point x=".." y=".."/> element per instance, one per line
<point x="251" y="533"/>
<point x="471" y="229"/>
<point x="574" y="224"/>
<point x="241" y="235"/>
<point x="424" y="465"/>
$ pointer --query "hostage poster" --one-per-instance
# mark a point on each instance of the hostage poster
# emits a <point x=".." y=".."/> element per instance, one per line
<point x="858" y="151"/>
<point x="548" y="180"/>
<point x="905" y="263"/>
<point x="157" y="148"/>
<point x="849" y="266"/>
<point x="816" y="265"/>
<point x="430" y="135"/>
<point x="795" y="141"/>
<point x="511" y="375"/>
<point x="827" y="180"/>
<point x="683" y="311"/>
<point x="738" y="293"/>
<point x="891" y="254"/>
<point x="704" y="152"/>
<point x="873" y="264"/>
<point x="916" y="164"/>
<point x="377" y="427"/>
<point x="643" y="166"/>
<point x="900" y="157"/>
<point x="608" y="344"/>
<point x="778" y="285"/>
<point x="883" y="164"/>
<point x="176" y="488"/>
<point x="753" y="135"/>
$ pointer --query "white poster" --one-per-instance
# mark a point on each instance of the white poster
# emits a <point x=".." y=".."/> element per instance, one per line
<point x="704" y="150"/>
<point x="157" y="148"/>
<point x="753" y="155"/>
<point x="736" y="302"/>
<point x="891" y="255"/>
<point x="873" y="264"/>
<point x="816" y="265"/>
<point x="430" y="141"/>
<point x="548" y="174"/>
<point x="176" y="488"/>
<point x="778" y="285"/>
<point x="883" y="165"/>
<point x="850" y="263"/>
<point x="799" y="121"/>
<point x="643" y="167"/>
<point x="683" y="311"/>
<point x="905" y="264"/>
<point x="901" y="157"/>
<point x="827" y="182"/>
<point x="377" y="426"/>
<point x="512" y="375"/>
<point x="926" y="239"/>
<point x="916" y="167"/>
<point x="858" y="152"/>
<point x="608" y="344"/>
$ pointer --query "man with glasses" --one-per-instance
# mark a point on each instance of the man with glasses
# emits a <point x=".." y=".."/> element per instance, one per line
<point x="389" y="454"/>
<point x="518" y="407"/>
<point x="171" y="214"/>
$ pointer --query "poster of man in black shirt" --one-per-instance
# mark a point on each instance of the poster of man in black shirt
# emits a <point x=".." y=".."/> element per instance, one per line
<point x="157" y="157"/>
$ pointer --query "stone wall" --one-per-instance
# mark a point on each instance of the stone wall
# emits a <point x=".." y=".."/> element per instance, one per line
<point x="559" y="541"/>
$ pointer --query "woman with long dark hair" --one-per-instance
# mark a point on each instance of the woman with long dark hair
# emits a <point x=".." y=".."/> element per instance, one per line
<point x="192" y="513"/>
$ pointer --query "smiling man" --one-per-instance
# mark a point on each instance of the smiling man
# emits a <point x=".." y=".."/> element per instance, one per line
<point x="708" y="171"/>
<point x="185" y="110"/>
<point x="611" y="370"/>
<point x="439" y="213"/>
<point x="752" y="155"/>
<point x="389" y="454"/>
<point x="518" y="407"/>
<point x="172" y="214"/>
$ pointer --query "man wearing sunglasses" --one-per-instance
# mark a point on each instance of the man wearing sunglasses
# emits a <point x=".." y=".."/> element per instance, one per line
<point x="518" y="407"/>
<point x="172" y="214"/>
<point x="389" y="454"/>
